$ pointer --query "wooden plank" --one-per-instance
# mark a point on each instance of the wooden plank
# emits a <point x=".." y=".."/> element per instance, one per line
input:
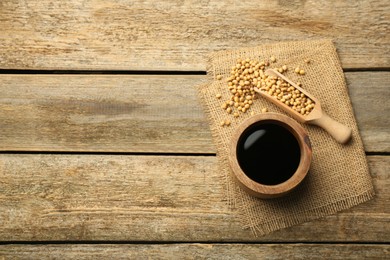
<point x="102" y="113"/>
<point x="145" y="35"/>
<point x="197" y="251"/>
<point x="122" y="113"/>
<point x="370" y="108"/>
<point x="154" y="198"/>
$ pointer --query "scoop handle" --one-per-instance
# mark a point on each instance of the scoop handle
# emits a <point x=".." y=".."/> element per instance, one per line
<point x="339" y="132"/>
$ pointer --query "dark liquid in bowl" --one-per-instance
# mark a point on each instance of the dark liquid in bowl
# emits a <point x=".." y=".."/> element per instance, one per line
<point x="268" y="153"/>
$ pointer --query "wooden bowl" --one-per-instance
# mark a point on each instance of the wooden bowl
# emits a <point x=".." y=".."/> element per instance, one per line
<point x="272" y="191"/>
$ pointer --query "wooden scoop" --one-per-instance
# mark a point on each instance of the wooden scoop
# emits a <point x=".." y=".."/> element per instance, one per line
<point x="339" y="132"/>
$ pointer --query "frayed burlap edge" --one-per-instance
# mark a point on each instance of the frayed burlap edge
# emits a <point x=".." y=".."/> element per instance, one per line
<point x="317" y="213"/>
<point x="217" y="142"/>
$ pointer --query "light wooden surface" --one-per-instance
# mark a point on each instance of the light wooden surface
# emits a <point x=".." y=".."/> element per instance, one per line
<point x="138" y="113"/>
<point x="147" y="35"/>
<point x="112" y="161"/>
<point x="199" y="251"/>
<point x="153" y="198"/>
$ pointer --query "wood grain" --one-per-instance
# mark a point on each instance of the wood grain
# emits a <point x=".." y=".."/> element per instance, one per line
<point x="364" y="88"/>
<point x="154" y="198"/>
<point x="144" y="35"/>
<point x="102" y="113"/>
<point x="196" y="251"/>
<point x="145" y="113"/>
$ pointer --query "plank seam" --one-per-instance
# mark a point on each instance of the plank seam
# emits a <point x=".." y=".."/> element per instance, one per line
<point x="147" y="72"/>
<point x="109" y="153"/>
<point x="386" y="243"/>
<point x="102" y="72"/>
<point x="140" y="153"/>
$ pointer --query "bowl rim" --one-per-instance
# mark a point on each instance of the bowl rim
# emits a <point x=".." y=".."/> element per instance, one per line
<point x="271" y="191"/>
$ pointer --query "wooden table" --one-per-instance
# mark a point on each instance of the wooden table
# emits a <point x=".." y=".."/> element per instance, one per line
<point x="100" y="156"/>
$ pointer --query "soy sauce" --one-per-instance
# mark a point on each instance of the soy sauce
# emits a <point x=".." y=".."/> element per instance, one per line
<point x="268" y="153"/>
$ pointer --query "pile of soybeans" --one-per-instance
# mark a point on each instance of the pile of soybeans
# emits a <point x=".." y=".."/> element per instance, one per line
<point x="249" y="74"/>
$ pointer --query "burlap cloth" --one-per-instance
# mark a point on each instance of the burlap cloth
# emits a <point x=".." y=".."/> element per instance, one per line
<point x="338" y="178"/>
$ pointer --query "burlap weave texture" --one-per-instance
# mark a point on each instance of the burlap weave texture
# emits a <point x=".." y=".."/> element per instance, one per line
<point x="338" y="178"/>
